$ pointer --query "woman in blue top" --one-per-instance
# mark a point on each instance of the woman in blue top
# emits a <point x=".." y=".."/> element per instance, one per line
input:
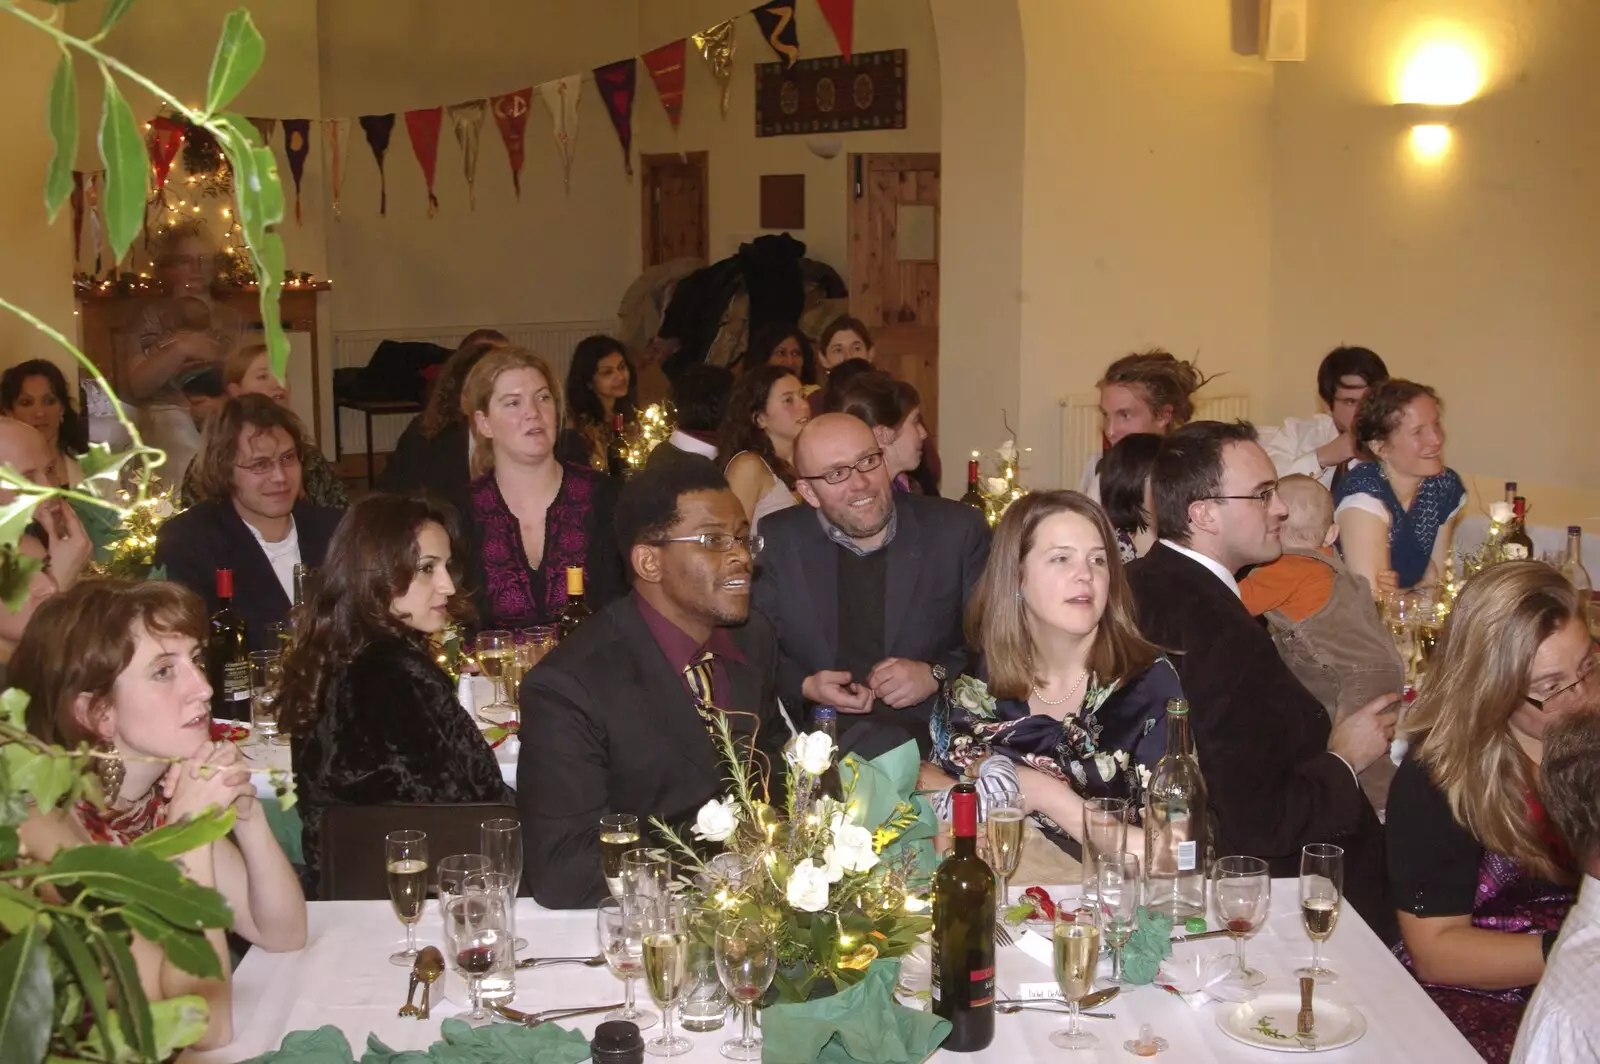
<point x="1397" y="512"/>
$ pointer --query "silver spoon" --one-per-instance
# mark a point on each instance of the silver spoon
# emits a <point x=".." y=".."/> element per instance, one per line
<point x="1009" y="1007"/>
<point x="597" y="961"/>
<point x="534" y="1019"/>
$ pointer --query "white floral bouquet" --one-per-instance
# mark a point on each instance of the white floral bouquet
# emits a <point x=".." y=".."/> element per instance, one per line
<point x="999" y="492"/>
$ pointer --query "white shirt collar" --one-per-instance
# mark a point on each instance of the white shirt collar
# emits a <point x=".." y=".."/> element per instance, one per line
<point x="1210" y="563"/>
<point x="685" y="442"/>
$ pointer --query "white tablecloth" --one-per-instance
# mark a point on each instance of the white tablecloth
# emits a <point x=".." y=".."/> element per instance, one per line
<point x="343" y="978"/>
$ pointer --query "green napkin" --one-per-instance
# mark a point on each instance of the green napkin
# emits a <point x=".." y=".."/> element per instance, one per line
<point x="861" y="1024"/>
<point x="498" y="1043"/>
<point x="884" y="782"/>
<point x="1150" y="944"/>
<point x="325" y="1045"/>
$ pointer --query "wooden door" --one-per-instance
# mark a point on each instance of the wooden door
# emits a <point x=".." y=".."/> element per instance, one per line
<point x="894" y="266"/>
<point x="677" y="207"/>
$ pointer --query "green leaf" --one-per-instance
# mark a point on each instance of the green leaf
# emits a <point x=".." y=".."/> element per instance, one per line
<point x="46" y="777"/>
<point x="127" y="169"/>
<point x="99" y="463"/>
<point x="27" y="997"/>
<point x="133" y="1008"/>
<point x="18" y="907"/>
<point x="74" y="950"/>
<point x="240" y="51"/>
<point x="179" y="1022"/>
<point x="189" y="950"/>
<point x="10" y="846"/>
<point x="115" y="9"/>
<point x="157" y="572"/>
<point x="124" y="874"/>
<point x="14" y="707"/>
<point x="176" y="839"/>
<point x="64" y="132"/>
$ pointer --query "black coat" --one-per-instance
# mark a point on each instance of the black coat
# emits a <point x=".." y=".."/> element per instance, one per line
<point x="193" y="545"/>
<point x="420" y="466"/>
<point x="1260" y="736"/>
<point x="608" y="727"/>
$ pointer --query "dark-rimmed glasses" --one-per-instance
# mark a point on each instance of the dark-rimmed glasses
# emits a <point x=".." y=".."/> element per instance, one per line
<point x="839" y="474"/>
<point x="1585" y="672"/>
<point x="721" y="542"/>
<point x="263" y="466"/>
<point x="1264" y="496"/>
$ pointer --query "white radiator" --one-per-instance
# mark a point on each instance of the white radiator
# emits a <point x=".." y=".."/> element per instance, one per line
<point x="554" y="340"/>
<point x="1081" y="428"/>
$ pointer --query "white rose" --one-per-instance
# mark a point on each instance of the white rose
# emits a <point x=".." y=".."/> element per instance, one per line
<point x="163" y="508"/>
<point x="808" y="887"/>
<point x="812" y="751"/>
<point x="1500" y="512"/>
<point x="1008" y="451"/>
<point x="715" y="821"/>
<point x="852" y="845"/>
<point x="831" y="864"/>
<point x="997" y="485"/>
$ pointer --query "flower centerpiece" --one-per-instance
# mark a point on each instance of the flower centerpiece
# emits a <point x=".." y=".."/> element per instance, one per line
<point x="999" y="492"/>
<point x="817" y="871"/>
<point x="1492" y="550"/>
<point x="656" y="423"/>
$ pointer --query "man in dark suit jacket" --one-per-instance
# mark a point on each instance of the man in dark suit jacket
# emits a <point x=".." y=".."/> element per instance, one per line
<point x="1275" y="776"/>
<point x="700" y="394"/>
<point x="251" y="519"/>
<point x="611" y="725"/>
<point x="866" y="589"/>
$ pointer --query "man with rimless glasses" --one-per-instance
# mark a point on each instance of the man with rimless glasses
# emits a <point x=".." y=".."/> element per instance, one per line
<point x="866" y="588"/>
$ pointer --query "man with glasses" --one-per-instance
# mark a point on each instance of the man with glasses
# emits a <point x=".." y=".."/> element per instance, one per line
<point x="1276" y="774"/>
<point x="250" y="518"/>
<point x="866" y="588"/>
<point x="623" y="716"/>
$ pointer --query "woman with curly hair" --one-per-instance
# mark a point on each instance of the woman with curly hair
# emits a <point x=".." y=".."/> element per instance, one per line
<point x="765" y="415"/>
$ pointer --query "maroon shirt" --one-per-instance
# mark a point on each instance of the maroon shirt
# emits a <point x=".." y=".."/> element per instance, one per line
<point x="680" y="647"/>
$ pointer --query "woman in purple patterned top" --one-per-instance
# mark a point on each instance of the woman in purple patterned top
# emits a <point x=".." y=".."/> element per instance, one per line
<point x="530" y="516"/>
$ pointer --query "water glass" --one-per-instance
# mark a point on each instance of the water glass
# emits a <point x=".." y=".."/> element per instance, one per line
<point x="1117" y="880"/>
<point x="405" y="855"/>
<point x="502" y="844"/>
<point x="499" y="983"/>
<point x="454" y="870"/>
<point x="704" y="1006"/>
<point x="747" y="959"/>
<point x="1105" y="830"/>
<point x="266" y="677"/>
<point x="622" y="924"/>
<point x="1241" y="890"/>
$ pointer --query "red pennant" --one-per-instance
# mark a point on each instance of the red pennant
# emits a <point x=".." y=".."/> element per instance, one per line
<point x="423" y="125"/>
<point x="617" y="83"/>
<point x="666" y="70"/>
<point x="511" y="115"/>
<point x="297" y="145"/>
<point x="162" y="141"/>
<point x="841" y="16"/>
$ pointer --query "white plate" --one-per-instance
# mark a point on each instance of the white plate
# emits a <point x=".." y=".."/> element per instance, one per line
<point x="1337" y="1025"/>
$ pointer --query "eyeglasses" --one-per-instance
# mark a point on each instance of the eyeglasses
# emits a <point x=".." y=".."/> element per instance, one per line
<point x="839" y="474"/>
<point x="721" y="542"/>
<point x="1264" y="496"/>
<point x="263" y="466"/>
<point x="1585" y="672"/>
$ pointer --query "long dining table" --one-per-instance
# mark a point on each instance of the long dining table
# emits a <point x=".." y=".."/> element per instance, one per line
<point x="343" y="977"/>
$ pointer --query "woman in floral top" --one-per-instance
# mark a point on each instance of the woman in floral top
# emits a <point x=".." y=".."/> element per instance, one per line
<point x="1070" y="692"/>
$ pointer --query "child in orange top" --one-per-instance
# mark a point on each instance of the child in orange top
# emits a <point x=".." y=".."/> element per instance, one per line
<point x="1323" y="619"/>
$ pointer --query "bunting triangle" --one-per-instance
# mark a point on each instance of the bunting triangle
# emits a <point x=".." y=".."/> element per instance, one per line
<point x="467" y="120"/>
<point x="296" y="146"/>
<point x="423" y="127"/>
<point x="666" y="71"/>
<point x="378" y="129"/>
<point x="841" y="16"/>
<point x="716" y="46"/>
<point x="336" y="134"/>
<point x="776" y="19"/>
<point x="618" y="83"/>
<point x="511" y="115"/>
<point x="561" y="96"/>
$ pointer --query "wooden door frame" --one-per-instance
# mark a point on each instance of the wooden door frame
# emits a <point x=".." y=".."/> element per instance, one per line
<point x="700" y="160"/>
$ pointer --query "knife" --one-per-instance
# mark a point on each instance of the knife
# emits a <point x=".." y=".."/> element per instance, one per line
<point x="1199" y="935"/>
<point x="1305" y="1024"/>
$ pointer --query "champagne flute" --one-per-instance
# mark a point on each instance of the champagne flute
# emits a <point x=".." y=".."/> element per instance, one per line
<point x="1321" y="890"/>
<point x="747" y="959"/>
<point x="1004" y="820"/>
<point x="646" y="872"/>
<point x="478" y="935"/>
<point x="619" y="833"/>
<point x="1077" y="953"/>
<point x="496" y="656"/>
<point x="1118" y="905"/>
<point x="1242" y="893"/>
<point x="405" y="855"/>
<point x="1105" y="830"/>
<point x="666" y="972"/>
<point x="622" y="924"/>
<point x="501" y="839"/>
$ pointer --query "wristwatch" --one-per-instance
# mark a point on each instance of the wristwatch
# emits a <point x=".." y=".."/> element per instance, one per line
<point x="938" y="671"/>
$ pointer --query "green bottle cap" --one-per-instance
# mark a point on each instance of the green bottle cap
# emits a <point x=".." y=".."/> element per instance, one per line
<point x="1195" y="924"/>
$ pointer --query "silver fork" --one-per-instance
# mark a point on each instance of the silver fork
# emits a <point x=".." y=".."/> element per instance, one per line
<point x="1002" y="934"/>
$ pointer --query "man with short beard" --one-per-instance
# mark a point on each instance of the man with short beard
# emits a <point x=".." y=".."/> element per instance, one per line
<point x="867" y="589"/>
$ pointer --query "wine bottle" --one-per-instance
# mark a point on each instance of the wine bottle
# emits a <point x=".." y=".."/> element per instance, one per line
<point x="228" y="656"/>
<point x="1175" y="842"/>
<point x="974" y="497"/>
<point x="576" y="610"/>
<point x="1517" y="546"/>
<point x="1572" y="567"/>
<point x="617" y="451"/>
<point x="825" y="719"/>
<point x="963" y="932"/>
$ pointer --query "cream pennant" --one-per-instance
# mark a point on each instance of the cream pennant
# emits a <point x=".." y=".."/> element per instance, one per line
<point x="467" y="120"/>
<point x="336" y="132"/>
<point x="561" y="96"/>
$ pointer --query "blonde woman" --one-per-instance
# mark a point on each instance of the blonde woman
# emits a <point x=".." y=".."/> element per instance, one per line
<point x="1480" y="880"/>
<point x="528" y="516"/>
<point x="1148" y="392"/>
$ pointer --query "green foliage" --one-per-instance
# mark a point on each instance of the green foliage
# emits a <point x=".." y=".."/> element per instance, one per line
<point x="239" y="55"/>
<point x="115" y="9"/>
<point x="127" y="168"/>
<point x="64" y="132"/>
<point x="27" y="996"/>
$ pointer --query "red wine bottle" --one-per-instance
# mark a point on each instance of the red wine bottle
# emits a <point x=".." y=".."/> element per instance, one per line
<point x="963" y="932"/>
<point x="974" y="497"/>
<point x="1518" y="545"/>
<point x="576" y="610"/>
<point x="617" y="451"/>
<point x="228" y="656"/>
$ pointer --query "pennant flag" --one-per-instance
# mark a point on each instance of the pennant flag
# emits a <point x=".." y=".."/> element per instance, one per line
<point x="467" y="120"/>
<point x="776" y="19"/>
<point x="841" y="16"/>
<point x="265" y="127"/>
<point x="91" y="201"/>
<point x="423" y="126"/>
<point x="336" y="131"/>
<point x="716" y="48"/>
<point x="561" y="96"/>
<point x="378" y="129"/>
<point x="511" y="115"/>
<point x="666" y="70"/>
<point x="617" y="83"/>
<point x="297" y="145"/>
<point x="77" y="217"/>
<point x="162" y="141"/>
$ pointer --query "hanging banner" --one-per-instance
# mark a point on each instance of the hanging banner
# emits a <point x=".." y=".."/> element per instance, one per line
<point x="511" y="115"/>
<point x="423" y="126"/>
<point x="162" y="141"/>
<point x="297" y="145"/>
<point x="467" y="120"/>
<point x="666" y="71"/>
<point x="378" y="129"/>
<point x="776" y="20"/>
<point x="617" y="83"/>
<point x="77" y="218"/>
<point x="841" y="16"/>
<point x="561" y="96"/>
<point x="91" y="206"/>
<point x="266" y="127"/>
<point x="716" y="48"/>
<point x="336" y="132"/>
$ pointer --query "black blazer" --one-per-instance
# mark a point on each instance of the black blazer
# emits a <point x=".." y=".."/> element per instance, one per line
<point x="1260" y="736"/>
<point x="608" y="727"/>
<point x="938" y="552"/>
<point x="420" y="466"/>
<point x="193" y="545"/>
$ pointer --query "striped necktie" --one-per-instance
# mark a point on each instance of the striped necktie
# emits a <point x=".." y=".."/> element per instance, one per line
<point x="697" y="674"/>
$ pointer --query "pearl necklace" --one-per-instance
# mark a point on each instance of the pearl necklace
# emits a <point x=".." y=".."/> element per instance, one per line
<point x="1082" y="676"/>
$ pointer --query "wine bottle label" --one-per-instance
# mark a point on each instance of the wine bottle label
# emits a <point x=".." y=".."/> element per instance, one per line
<point x="1515" y="552"/>
<point x="982" y="987"/>
<point x="1187" y="852"/>
<point x="937" y="968"/>
<point x="236" y="681"/>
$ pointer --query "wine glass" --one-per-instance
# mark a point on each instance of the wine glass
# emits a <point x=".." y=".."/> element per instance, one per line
<point x="646" y="872"/>
<point x="747" y="959"/>
<point x="1118" y="904"/>
<point x="496" y="656"/>
<point x="1077" y="953"/>
<point x="1241" y="889"/>
<point x="1105" y="830"/>
<point x="1321" y="890"/>
<point x="619" y="834"/>
<point x="1004" y="820"/>
<point x="501" y="839"/>
<point x="477" y="932"/>
<point x="666" y="972"/>
<point x="622" y="924"/>
<point x="454" y="870"/>
<point x="405" y="855"/>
